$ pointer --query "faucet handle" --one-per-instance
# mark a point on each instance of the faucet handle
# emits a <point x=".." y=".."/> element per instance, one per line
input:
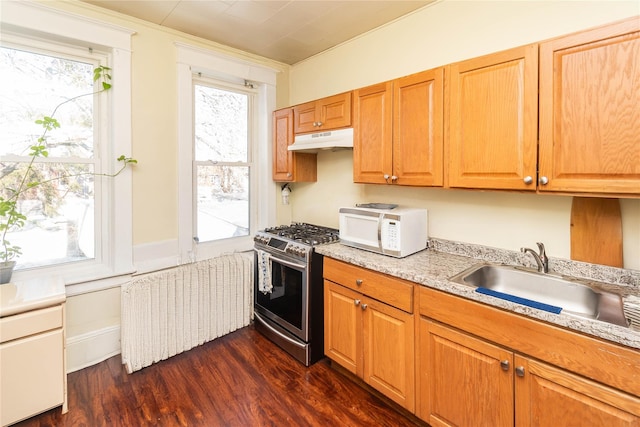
<point x="541" y="249"/>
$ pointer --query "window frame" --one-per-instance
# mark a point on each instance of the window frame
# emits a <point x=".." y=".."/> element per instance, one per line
<point x="35" y="22"/>
<point x="194" y="62"/>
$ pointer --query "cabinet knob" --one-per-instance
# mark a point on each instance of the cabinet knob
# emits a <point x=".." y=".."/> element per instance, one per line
<point x="528" y="179"/>
<point x="544" y="180"/>
<point x="386" y="177"/>
<point x="504" y="364"/>
<point x="356" y="302"/>
<point x="394" y="178"/>
<point x="363" y="307"/>
<point x="358" y="282"/>
<point x="520" y="371"/>
<point x="288" y="174"/>
<point x="319" y="124"/>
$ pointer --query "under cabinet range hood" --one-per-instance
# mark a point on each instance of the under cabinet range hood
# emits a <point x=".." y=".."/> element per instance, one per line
<point x="328" y="140"/>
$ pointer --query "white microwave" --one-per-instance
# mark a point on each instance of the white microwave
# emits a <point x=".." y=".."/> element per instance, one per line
<point x="396" y="232"/>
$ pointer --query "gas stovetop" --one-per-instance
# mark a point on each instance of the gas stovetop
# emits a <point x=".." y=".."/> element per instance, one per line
<point x="305" y="233"/>
<point x="297" y="239"/>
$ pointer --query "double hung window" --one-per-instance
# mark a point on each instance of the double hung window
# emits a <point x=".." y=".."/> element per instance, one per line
<point x="223" y="115"/>
<point x="62" y="220"/>
<point x="225" y="193"/>
<point x="79" y="225"/>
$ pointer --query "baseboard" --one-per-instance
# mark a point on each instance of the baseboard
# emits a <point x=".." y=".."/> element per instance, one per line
<point x="92" y="347"/>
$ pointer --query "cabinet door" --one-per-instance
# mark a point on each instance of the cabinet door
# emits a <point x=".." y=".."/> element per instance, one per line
<point x="342" y="327"/>
<point x="334" y="112"/>
<point x="389" y="357"/>
<point x="287" y="165"/>
<point x="418" y="128"/>
<point x="305" y="117"/>
<point x="547" y="396"/>
<point x="464" y="381"/>
<point x="33" y="376"/>
<point x="493" y="127"/>
<point x="590" y="111"/>
<point x="372" y="144"/>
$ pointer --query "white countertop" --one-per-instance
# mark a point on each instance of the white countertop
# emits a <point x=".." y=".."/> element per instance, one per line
<point x="22" y="296"/>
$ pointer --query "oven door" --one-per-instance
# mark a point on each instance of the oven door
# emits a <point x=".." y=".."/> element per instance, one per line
<point x="287" y="303"/>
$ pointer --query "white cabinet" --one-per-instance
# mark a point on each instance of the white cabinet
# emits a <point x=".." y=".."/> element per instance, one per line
<point x="32" y="350"/>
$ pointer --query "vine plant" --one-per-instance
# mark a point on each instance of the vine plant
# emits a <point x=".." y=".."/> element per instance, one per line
<point x="10" y="216"/>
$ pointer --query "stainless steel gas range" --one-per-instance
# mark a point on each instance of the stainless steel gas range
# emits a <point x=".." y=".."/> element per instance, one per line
<point x="288" y="293"/>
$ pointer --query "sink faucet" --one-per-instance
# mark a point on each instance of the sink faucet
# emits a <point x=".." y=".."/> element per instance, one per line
<point x="541" y="257"/>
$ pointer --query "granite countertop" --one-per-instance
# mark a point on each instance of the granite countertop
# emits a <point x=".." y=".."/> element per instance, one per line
<point x="20" y="297"/>
<point x="434" y="266"/>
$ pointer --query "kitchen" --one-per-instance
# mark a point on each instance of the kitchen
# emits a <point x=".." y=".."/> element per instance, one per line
<point x="496" y="219"/>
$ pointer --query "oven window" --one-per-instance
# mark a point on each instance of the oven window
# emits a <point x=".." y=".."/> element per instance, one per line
<point x="286" y="298"/>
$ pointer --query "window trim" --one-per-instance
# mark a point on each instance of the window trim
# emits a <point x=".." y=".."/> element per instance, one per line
<point x="192" y="60"/>
<point x="35" y="20"/>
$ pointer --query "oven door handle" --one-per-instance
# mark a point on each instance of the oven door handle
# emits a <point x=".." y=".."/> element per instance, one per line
<point x="280" y="334"/>
<point x="287" y="263"/>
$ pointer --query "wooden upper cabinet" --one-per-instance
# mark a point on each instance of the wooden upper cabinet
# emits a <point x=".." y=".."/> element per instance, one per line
<point x="493" y="121"/>
<point x="418" y="128"/>
<point x="287" y="165"/>
<point x="398" y="131"/>
<point x="372" y="133"/>
<point x="333" y="112"/>
<point x="590" y="111"/>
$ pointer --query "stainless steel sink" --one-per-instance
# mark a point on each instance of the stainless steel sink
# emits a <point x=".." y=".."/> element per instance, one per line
<point x="574" y="298"/>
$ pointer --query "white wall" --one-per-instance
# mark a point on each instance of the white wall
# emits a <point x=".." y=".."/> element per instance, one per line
<point x="93" y="318"/>
<point x="439" y="34"/>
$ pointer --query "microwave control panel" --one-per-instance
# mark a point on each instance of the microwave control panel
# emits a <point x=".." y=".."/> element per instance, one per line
<point x="389" y="234"/>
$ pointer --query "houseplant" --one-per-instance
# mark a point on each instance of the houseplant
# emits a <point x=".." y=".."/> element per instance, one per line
<point x="11" y="217"/>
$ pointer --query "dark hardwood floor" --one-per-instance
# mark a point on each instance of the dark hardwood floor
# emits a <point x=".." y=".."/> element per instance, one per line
<point x="241" y="379"/>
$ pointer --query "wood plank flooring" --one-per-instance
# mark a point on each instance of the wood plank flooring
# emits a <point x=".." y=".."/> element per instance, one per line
<point x="241" y="379"/>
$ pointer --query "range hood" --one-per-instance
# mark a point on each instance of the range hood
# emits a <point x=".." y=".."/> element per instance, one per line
<point x="328" y="140"/>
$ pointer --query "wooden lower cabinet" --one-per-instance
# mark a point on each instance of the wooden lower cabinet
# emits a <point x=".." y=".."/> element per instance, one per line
<point x="463" y="383"/>
<point x="547" y="396"/>
<point x="467" y="381"/>
<point x="371" y="339"/>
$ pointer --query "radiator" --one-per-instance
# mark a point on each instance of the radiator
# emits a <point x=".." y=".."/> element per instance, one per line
<point x="171" y="311"/>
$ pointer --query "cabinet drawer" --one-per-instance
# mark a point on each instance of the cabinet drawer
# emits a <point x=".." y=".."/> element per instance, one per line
<point x="390" y="290"/>
<point x="32" y="322"/>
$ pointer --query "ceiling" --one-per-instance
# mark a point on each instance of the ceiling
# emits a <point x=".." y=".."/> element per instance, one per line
<point x="283" y="30"/>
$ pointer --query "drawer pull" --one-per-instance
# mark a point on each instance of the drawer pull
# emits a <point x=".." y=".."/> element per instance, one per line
<point x="358" y="282"/>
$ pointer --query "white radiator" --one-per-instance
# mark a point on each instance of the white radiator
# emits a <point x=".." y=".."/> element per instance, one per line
<point x="171" y="311"/>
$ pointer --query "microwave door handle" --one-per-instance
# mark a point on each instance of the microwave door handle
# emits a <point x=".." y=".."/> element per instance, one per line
<point x="380" y="218"/>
